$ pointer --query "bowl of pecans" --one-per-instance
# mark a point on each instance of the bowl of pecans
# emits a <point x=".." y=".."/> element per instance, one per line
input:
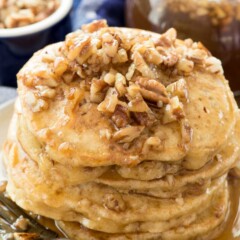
<point x="27" y="26"/>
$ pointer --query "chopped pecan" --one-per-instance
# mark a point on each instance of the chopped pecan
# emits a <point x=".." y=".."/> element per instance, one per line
<point x="170" y="60"/>
<point x="46" y="76"/>
<point x="152" y="143"/>
<point x="187" y="133"/>
<point x="179" y="200"/>
<point x="21" y="223"/>
<point x="188" y="42"/>
<point x="121" y="56"/>
<point x="196" y="55"/>
<point x="110" y="102"/>
<point x="219" y="211"/>
<point x="133" y="91"/>
<point x="80" y="48"/>
<point x="120" y="84"/>
<point x="173" y="111"/>
<point x="185" y="66"/>
<point x="109" y="45"/>
<point x="105" y="133"/>
<point x="109" y="78"/>
<point x="128" y="134"/>
<point x="65" y="147"/>
<point x="94" y="26"/>
<point x="214" y="65"/>
<point x="47" y="58"/>
<point x="142" y="66"/>
<point x="68" y="76"/>
<point x="114" y="201"/>
<point x="152" y="90"/>
<point x="152" y="85"/>
<point x="96" y="90"/>
<point x="171" y="34"/>
<point x="46" y="92"/>
<point x="130" y="72"/>
<point x="120" y="116"/>
<point x="35" y="104"/>
<point x="60" y="66"/>
<point x="144" y="119"/>
<point x="167" y="39"/>
<point x="178" y="88"/>
<point x="138" y="105"/>
<point x="152" y="56"/>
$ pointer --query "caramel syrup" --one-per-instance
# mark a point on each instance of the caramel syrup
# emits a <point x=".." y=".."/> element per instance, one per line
<point x="232" y="226"/>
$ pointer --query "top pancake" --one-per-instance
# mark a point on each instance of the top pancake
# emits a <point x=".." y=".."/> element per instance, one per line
<point x="121" y="96"/>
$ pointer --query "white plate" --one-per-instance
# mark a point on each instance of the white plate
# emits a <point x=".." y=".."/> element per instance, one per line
<point x="6" y="111"/>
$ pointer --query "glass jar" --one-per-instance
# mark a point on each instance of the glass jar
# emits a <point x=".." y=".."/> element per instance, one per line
<point x="216" y="23"/>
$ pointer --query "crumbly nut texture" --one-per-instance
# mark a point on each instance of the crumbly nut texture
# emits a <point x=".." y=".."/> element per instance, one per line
<point x="136" y="81"/>
<point x="220" y="13"/>
<point x="19" y="13"/>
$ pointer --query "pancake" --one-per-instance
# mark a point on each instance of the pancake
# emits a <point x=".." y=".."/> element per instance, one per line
<point x="27" y="187"/>
<point x="202" y="225"/>
<point x="69" y="124"/>
<point x="35" y="191"/>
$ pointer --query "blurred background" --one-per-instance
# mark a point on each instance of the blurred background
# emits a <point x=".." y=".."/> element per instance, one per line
<point x="215" y="23"/>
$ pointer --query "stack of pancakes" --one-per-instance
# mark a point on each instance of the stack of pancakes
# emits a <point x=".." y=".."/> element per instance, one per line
<point x="124" y="134"/>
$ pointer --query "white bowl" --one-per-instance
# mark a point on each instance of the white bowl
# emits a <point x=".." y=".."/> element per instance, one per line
<point x="17" y="45"/>
<point x="57" y="16"/>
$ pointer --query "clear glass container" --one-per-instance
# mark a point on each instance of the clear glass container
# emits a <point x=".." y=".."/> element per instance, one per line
<point x="216" y="23"/>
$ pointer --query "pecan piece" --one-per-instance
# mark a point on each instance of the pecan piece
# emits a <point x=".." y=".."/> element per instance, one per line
<point x="167" y="39"/>
<point x="114" y="201"/>
<point x="153" y="56"/>
<point x="173" y="111"/>
<point x="80" y="47"/>
<point x="46" y="92"/>
<point x="187" y="134"/>
<point x="96" y="93"/>
<point x="105" y="134"/>
<point x="35" y="103"/>
<point x="152" y="90"/>
<point x="144" y="119"/>
<point x="138" y="105"/>
<point x="214" y="65"/>
<point x="120" y="84"/>
<point x="178" y="88"/>
<point x="128" y="134"/>
<point x="60" y="66"/>
<point x="121" y="56"/>
<point x="94" y="26"/>
<point x="141" y="65"/>
<point x="196" y="55"/>
<point x="120" y="116"/>
<point x="185" y="66"/>
<point x="109" y="45"/>
<point x="110" y="102"/>
<point x="130" y="72"/>
<point x="109" y="77"/>
<point x="170" y="60"/>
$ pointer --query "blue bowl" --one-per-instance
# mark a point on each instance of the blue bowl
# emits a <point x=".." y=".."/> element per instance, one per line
<point x="17" y="45"/>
